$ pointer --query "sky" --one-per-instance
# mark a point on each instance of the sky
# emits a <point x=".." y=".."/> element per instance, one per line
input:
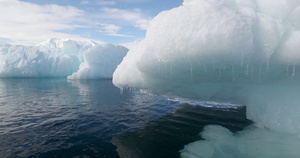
<point x="113" y="21"/>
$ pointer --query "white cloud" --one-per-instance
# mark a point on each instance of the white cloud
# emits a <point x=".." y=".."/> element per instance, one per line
<point x="84" y="2"/>
<point x="106" y="2"/>
<point x="25" y="22"/>
<point x="134" y="1"/>
<point x="111" y="29"/>
<point x="34" y="23"/>
<point x="133" y="16"/>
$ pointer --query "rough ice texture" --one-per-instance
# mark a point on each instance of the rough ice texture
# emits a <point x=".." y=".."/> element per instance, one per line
<point x="250" y="143"/>
<point x="59" y="58"/>
<point x="100" y="62"/>
<point x="237" y="51"/>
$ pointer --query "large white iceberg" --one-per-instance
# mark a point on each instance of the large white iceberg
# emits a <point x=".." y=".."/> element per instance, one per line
<point x="236" y="51"/>
<point x="221" y="50"/>
<point x="60" y="58"/>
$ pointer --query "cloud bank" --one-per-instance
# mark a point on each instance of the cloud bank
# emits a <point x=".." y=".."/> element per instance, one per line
<point x="24" y="22"/>
<point x="28" y="22"/>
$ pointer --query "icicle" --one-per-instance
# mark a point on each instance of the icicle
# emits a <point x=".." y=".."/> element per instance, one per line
<point x="259" y="75"/>
<point x="159" y="68"/>
<point x="121" y="90"/>
<point x="247" y="70"/>
<point x="267" y="66"/>
<point x="232" y="67"/>
<point x="165" y="68"/>
<point x="294" y="72"/>
<point x="220" y="72"/>
<point x="242" y="61"/>
<point x="132" y="90"/>
<point x="145" y="84"/>
<point x="252" y="73"/>
<point x="287" y="70"/>
<point x="191" y="71"/>
<point x="171" y="67"/>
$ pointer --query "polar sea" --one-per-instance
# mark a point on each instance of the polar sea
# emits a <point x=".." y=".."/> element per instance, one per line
<point x="57" y="117"/>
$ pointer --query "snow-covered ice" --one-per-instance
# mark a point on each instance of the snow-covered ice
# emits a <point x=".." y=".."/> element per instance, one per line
<point x="60" y="58"/>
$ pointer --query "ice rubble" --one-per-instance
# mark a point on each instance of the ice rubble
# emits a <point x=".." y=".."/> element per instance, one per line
<point x="236" y="51"/>
<point x="60" y="58"/>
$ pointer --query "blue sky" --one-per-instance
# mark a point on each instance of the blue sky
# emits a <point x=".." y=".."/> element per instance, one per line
<point x="113" y="21"/>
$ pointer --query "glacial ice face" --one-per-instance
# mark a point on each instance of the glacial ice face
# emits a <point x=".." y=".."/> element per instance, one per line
<point x="237" y="51"/>
<point x="59" y="58"/>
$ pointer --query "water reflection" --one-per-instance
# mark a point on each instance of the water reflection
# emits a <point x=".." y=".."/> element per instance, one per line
<point x="70" y="118"/>
<point x="165" y="137"/>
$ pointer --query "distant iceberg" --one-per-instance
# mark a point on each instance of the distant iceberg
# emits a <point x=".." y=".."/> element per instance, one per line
<point x="100" y="61"/>
<point x="60" y="58"/>
<point x="232" y="51"/>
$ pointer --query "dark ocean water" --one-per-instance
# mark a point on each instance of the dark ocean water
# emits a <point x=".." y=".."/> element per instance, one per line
<point x="92" y="118"/>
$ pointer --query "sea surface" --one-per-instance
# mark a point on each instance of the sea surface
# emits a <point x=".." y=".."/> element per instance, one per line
<point x="47" y="117"/>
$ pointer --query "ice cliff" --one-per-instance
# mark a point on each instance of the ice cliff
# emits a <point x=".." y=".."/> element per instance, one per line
<point x="60" y="58"/>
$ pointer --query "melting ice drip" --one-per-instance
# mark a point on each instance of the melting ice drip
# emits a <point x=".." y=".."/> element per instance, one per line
<point x="238" y="51"/>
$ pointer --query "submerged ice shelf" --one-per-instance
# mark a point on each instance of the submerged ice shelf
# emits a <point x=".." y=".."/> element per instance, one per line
<point x="60" y="58"/>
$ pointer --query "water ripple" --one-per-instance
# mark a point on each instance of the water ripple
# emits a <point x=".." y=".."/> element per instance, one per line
<point x="62" y="118"/>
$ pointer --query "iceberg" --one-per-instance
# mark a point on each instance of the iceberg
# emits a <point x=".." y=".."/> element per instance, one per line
<point x="59" y="58"/>
<point x="66" y="46"/>
<point x="231" y="51"/>
<point x="244" y="52"/>
<point x="100" y="61"/>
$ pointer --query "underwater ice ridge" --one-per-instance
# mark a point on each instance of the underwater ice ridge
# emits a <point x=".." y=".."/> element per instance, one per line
<point x="235" y="51"/>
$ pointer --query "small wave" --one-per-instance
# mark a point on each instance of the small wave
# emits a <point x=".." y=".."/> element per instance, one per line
<point x="206" y="103"/>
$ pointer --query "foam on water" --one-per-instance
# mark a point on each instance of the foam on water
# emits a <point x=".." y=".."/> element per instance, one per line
<point x="205" y="104"/>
